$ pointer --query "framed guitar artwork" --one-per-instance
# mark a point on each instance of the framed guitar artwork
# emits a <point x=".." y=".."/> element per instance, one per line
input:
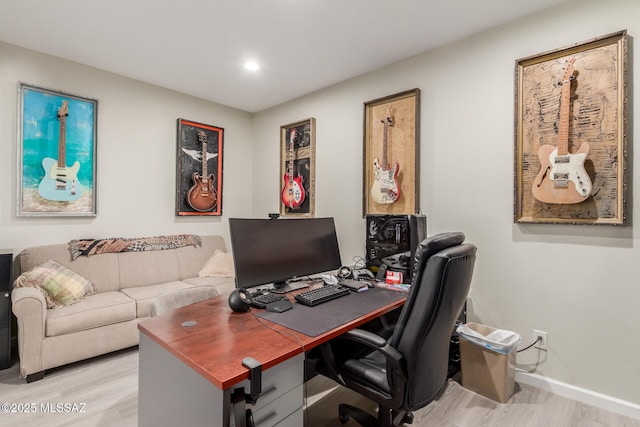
<point x="297" y="168"/>
<point x="199" y="169"/>
<point x="570" y="142"/>
<point x="391" y="172"/>
<point x="57" y="135"/>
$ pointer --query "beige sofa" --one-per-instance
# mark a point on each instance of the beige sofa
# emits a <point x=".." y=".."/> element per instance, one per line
<point x="107" y="320"/>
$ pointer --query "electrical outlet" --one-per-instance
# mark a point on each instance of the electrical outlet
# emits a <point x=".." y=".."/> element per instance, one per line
<point x="542" y="342"/>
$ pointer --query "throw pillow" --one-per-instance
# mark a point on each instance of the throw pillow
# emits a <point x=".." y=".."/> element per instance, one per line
<point x="219" y="265"/>
<point x="60" y="285"/>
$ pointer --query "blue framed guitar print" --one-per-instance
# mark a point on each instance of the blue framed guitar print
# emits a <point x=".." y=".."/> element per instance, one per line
<point x="57" y="145"/>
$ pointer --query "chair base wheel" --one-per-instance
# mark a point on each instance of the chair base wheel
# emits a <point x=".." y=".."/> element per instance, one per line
<point x="363" y="418"/>
<point x="408" y="418"/>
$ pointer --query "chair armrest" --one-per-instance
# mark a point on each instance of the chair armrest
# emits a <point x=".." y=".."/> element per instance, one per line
<point x="370" y="340"/>
<point x="377" y="343"/>
<point x="365" y="337"/>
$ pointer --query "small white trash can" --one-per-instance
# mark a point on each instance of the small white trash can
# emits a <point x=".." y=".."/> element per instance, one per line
<point x="487" y="360"/>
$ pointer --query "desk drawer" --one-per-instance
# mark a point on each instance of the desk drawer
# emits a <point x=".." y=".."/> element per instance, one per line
<point x="294" y="420"/>
<point x="280" y="409"/>
<point x="282" y="393"/>
<point x="278" y="380"/>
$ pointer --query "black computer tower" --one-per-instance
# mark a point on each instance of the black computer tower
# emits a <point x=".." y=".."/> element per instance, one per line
<point x="6" y="258"/>
<point x="389" y="235"/>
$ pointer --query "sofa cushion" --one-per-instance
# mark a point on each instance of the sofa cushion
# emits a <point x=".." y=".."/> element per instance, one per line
<point x="144" y="294"/>
<point x="220" y="264"/>
<point x="192" y="259"/>
<point x="181" y="298"/>
<point x="62" y="286"/>
<point x="223" y="285"/>
<point x="147" y="268"/>
<point x="101" y="270"/>
<point x="92" y="312"/>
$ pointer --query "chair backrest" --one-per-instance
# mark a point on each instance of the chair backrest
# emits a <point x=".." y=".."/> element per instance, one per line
<point x="441" y="281"/>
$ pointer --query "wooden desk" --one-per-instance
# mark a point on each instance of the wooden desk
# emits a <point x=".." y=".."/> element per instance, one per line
<point x="187" y="373"/>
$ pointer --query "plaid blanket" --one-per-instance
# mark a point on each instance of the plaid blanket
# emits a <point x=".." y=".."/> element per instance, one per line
<point x="118" y="244"/>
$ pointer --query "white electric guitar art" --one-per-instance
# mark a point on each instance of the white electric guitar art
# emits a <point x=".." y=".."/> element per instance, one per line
<point x="385" y="188"/>
<point x="60" y="182"/>
<point x="562" y="178"/>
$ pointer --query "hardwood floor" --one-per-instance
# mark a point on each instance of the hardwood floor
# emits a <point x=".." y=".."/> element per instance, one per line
<point x="106" y="385"/>
<point x="529" y="407"/>
<point x="105" y="391"/>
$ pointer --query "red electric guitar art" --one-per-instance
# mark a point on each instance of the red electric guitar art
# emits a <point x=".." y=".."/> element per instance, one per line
<point x="293" y="191"/>
<point x="385" y="188"/>
<point x="202" y="197"/>
<point x="562" y="178"/>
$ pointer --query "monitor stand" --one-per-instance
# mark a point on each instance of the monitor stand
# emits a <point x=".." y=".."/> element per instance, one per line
<point x="284" y="287"/>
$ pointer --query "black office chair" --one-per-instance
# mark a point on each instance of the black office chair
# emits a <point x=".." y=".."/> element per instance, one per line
<point x="408" y="370"/>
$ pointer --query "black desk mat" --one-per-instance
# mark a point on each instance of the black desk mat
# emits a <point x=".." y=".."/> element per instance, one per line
<point x="314" y="321"/>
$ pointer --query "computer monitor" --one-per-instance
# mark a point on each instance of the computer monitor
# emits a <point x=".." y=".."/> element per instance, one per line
<point x="275" y="251"/>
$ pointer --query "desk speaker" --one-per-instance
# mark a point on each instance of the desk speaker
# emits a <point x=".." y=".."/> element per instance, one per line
<point x="240" y="300"/>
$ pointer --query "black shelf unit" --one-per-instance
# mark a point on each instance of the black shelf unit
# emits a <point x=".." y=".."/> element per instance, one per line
<point x="6" y="259"/>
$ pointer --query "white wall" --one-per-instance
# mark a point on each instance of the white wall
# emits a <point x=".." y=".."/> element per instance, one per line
<point x="578" y="283"/>
<point x="136" y="154"/>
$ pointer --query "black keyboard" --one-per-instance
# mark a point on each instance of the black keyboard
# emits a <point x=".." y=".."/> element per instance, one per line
<point x="261" y="300"/>
<point x="320" y="295"/>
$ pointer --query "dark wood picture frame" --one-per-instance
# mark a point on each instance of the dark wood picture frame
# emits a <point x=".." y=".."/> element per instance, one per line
<point x="57" y="138"/>
<point x="391" y="136"/>
<point x="298" y="148"/>
<point x="198" y="183"/>
<point x="570" y="102"/>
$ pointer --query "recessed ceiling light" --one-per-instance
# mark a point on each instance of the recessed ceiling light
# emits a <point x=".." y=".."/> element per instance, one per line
<point x="251" y="66"/>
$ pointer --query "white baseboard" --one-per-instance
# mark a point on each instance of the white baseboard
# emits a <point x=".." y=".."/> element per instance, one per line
<point x="589" y="397"/>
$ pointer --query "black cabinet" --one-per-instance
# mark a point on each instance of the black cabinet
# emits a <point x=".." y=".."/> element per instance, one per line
<point x="6" y="258"/>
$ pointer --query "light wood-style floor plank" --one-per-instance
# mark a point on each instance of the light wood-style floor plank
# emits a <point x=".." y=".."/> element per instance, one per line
<point x="108" y="386"/>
